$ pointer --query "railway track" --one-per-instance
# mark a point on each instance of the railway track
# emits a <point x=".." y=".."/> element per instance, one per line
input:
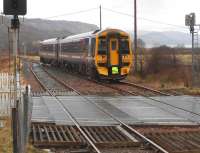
<point x="123" y="88"/>
<point x="50" y="84"/>
<point x="127" y="88"/>
<point x="157" y="101"/>
<point x="176" y="139"/>
<point x="133" y="136"/>
<point x="147" y="96"/>
<point x="145" y="88"/>
<point x="106" y="139"/>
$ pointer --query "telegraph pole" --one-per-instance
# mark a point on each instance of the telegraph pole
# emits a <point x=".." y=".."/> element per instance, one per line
<point x="100" y="13"/>
<point x="135" y="35"/>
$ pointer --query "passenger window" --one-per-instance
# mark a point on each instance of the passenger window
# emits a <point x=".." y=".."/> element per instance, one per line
<point x="93" y="45"/>
<point x="114" y="45"/>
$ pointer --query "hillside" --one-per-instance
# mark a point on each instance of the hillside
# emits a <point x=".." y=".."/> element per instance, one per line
<point x="33" y="30"/>
<point x="39" y="29"/>
<point x="171" y="38"/>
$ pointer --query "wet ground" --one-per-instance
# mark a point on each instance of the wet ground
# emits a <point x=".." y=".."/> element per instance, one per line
<point x="173" y="110"/>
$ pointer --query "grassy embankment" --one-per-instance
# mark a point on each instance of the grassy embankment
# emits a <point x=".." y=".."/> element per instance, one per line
<point x="6" y="133"/>
<point x="170" y="78"/>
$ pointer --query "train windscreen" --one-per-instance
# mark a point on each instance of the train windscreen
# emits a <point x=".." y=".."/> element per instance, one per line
<point x="102" y="47"/>
<point x="124" y="46"/>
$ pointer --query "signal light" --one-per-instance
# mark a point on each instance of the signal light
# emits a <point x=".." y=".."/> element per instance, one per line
<point x="15" y="7"/>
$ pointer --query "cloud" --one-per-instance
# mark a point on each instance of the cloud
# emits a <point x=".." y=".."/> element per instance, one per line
<point x="151" y="6"/>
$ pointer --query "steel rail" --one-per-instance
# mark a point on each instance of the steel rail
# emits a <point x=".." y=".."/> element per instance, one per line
<point x="138" y="134"/>
<point x="115" y="88"/>
<point x="103" y="84"/>
<point x="72" y="118"/>
<point x="145" y="88"/>
<point x="127" y="83"/>
<point x="135" y="93"/>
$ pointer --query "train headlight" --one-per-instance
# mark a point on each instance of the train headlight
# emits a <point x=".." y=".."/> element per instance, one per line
<point x="125" y="58"/>
<point x="102" y="59"/>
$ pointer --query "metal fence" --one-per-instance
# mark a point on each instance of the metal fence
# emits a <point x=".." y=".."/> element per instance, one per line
<point x="20" y="112"/>
<point x="5" y="104"/>
<point x="6" y="100"/>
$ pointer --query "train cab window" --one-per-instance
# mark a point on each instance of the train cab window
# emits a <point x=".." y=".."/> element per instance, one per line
<point x="102" y="46"/>
<point x="114" y="45"/>
<point x="124" y="46"/>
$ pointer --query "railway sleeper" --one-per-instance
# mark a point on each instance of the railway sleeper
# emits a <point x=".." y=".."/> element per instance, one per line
<point x="80" y="151"/>
<point x="177" y="142"/>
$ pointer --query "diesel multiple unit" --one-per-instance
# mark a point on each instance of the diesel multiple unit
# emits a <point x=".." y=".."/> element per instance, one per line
<point x="103" y="54"/>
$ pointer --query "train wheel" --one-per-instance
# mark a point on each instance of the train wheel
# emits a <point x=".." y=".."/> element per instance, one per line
<point x="70" y="68"/>
<point x="66" y="67"/>
<point x="77" y="69"/>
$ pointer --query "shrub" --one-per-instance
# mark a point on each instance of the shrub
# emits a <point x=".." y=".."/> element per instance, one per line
<point x="160" y="58"/>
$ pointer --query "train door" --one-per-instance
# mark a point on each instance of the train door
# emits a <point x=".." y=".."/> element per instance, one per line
<point x="114" y="55"/>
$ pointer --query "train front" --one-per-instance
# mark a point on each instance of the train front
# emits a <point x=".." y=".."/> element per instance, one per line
<point x="113" y="56"/>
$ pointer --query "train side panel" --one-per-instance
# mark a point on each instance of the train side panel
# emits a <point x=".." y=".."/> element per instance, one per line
<point x="74" y="54"/>
<point x="48" y="51"/>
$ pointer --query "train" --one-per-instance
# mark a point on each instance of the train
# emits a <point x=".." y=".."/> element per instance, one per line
<point x="103" y="54"/>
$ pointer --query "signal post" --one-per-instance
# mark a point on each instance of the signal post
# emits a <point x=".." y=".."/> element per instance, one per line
<point x="15" y="8"/>
<point x="190" y="21"/>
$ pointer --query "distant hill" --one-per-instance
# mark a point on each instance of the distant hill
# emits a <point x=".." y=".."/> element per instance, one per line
<point x="33" y="30"/>
<point x="39" y="29"/>
<point x="170" y="38"/>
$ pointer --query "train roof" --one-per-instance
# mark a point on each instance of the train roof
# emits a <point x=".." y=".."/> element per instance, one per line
<point x="49" y="41"/>
<point x="77" y="37"/>
<point x="87" y="35"/>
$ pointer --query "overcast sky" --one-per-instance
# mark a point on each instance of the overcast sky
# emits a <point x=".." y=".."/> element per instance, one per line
<point x="167" y="11"/>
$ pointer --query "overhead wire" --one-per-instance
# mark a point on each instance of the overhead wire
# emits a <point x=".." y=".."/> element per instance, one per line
<point x="146" y="19"/>
<point x="72" y="13"/>
<point x="118" y="12"/>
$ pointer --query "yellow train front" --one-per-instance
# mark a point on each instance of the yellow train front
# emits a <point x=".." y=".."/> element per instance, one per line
<point x="113" y="54"/>
<point x="102" y="54"/>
